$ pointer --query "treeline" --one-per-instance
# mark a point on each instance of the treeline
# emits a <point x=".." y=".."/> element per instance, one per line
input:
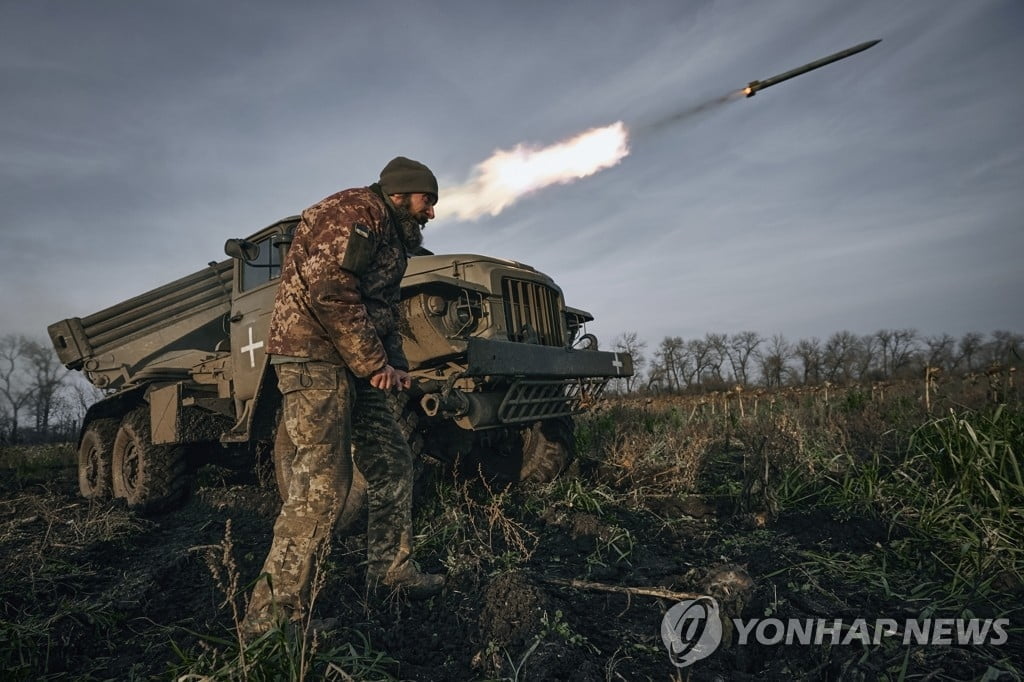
<point x="42" y="401"/>
<point x="39" y="399"/>
<point x="747" y="358"/>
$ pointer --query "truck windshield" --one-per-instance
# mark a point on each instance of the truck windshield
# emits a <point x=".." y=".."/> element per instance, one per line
<point x="265" y="267"/>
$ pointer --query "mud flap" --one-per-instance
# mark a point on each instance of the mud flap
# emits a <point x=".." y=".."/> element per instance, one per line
<point x="165" y="414"/>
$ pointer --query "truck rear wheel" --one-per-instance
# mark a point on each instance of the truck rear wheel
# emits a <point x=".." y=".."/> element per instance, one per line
<point x="149" y="477"/>
<point x="95" y="453"/>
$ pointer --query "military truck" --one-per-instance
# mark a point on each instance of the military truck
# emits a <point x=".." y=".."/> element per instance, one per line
<point x="499" y="363"/>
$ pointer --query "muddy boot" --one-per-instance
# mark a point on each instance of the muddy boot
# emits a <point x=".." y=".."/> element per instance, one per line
<point x="409" y="581"/>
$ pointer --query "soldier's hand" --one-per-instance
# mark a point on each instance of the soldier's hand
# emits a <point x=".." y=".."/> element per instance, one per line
<point x="404" y="380"/>
<point x="388" y="378"/>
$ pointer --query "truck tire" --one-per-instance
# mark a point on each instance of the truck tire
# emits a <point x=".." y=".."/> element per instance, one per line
<point x="537" y="453"/>
<point x="149" y="477"/>
<point x="548" y="448"/>
<point x="95" y="453"/>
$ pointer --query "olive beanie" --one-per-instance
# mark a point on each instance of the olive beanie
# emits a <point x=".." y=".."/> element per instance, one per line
<point x="404" y="176"/>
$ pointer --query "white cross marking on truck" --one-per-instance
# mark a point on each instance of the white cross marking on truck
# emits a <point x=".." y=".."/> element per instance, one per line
<point x="251" y="348"/>
<point x="617" y="364"/>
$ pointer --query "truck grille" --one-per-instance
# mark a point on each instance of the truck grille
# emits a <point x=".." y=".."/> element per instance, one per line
<point x="531" y="399"/>
<point x="532" y="313"/>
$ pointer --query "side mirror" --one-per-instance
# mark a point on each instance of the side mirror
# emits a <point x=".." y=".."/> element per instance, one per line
<point x="242" y="249"/>
<point x="586" y="342"/>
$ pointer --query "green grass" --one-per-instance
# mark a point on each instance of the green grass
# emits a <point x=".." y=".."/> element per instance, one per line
<point x="283" y="653"/>
<point x="32" y="464"/>
<point x="949" y="488"/>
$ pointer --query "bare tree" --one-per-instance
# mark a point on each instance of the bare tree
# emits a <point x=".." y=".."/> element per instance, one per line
<point x="671" y="361"/>
<point x="1004" y="348"/>
<point x="629" y="342"/>
<point x="809" y="352"/>
<point x="940" y="352"/>
<point x="656" y="378"/>
<point x="883" y="337"/>
<point x="70" y="404"/>
<point x="741" y="347"/>
<point x="902" y="349"/>
<point x="45" y="376"/>
<point x="697" y="356"/>
<point x="840" y="356"/>
<point x="13" y="387"/>
<point x="868" y="363"/>
<point x="774" y="361"/>
<point x="718" y="352"/>
<point x="970" y="346"/>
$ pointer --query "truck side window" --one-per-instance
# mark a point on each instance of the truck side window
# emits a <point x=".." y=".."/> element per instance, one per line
<point x="266" y="267"/>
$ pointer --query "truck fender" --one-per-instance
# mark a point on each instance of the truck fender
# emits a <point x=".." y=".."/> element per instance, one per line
<point x="113" y="407"/>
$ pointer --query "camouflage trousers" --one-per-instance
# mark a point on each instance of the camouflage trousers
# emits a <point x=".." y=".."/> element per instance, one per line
<point x="333" y="417"/>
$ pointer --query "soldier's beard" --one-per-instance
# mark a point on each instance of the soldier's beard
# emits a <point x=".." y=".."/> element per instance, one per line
<point x="410" y="229"/>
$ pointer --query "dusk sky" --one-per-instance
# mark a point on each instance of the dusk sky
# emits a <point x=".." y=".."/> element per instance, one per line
<point x="883" y="191"/>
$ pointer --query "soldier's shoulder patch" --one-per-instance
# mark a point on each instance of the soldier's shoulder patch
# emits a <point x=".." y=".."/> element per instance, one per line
<point x="359" y="249"/>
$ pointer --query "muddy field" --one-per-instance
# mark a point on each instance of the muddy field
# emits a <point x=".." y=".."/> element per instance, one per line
<point x="95" y="591"/>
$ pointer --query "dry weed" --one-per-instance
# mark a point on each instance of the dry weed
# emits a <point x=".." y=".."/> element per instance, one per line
<point x="656" y="463"/>
<point x="46" y="521"/>
<point x="290" y="645"/>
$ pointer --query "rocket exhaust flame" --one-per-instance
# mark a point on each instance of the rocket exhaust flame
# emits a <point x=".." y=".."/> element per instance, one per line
<point x="509" y="174"/>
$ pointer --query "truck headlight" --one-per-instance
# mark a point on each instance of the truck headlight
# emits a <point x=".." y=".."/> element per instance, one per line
<point x="464" y="313"/>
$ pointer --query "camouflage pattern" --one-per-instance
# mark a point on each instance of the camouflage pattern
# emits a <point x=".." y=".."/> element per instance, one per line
<point x="327" y="410"/>
<point x="385" y="460"/>
<point x="324" y="312"/>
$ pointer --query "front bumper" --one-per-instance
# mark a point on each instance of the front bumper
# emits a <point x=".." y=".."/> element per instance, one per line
<point x="504" y="358"/>
<point x="542" y="383"/>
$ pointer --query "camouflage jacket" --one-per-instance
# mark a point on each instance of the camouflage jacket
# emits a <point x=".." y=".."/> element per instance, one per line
<point x="338" y="300"/>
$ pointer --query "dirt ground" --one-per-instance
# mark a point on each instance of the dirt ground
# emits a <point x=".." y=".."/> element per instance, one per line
<point x="94" y="591"/>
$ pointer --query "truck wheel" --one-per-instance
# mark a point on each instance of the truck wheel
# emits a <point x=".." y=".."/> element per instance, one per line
<point x="149" y="477"/>
<point x="548" y="447"/>
<point x="537" y="453"/>
<point x="94" y="459"/>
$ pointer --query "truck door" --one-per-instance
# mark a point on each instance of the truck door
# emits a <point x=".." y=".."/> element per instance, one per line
<point x="255" y="288"/>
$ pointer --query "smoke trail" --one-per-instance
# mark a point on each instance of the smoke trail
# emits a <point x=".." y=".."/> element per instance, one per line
<point x="691" y="112"/>
<point x="507" y="175"/>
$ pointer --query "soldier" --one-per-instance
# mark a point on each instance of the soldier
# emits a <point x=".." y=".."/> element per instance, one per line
<point x="335" y="346"/>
